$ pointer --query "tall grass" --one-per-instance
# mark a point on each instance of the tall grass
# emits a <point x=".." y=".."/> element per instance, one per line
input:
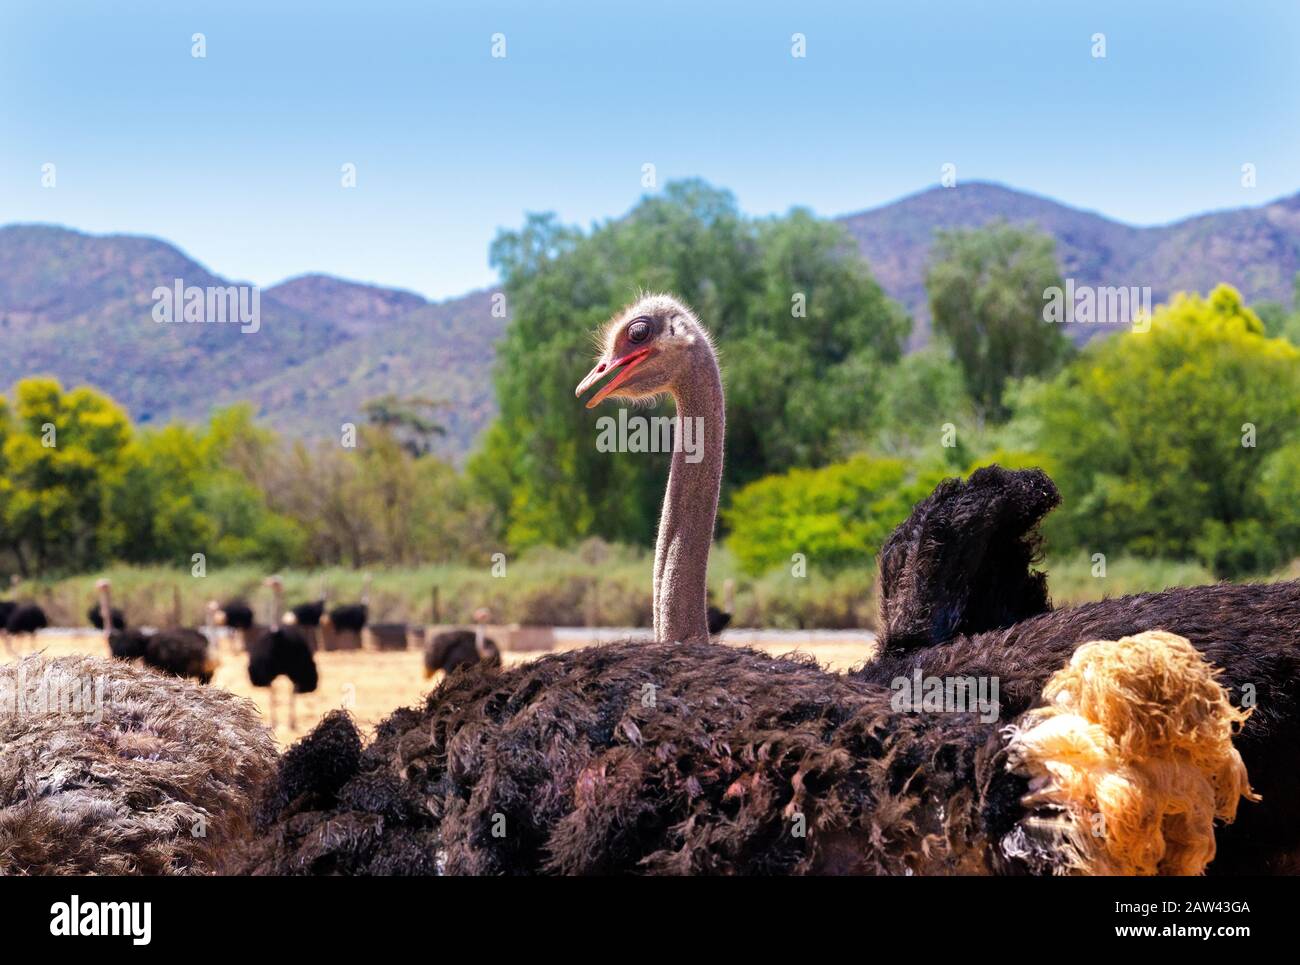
<point x="595" y="584"/>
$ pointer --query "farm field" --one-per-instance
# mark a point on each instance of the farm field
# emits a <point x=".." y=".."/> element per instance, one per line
<point x="372" y="684"/>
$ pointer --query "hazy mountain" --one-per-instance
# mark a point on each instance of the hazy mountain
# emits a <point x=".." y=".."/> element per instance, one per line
<point x="442" y="351"/>
<point x="78" y="307"/>
<point x="1255" y="249"/>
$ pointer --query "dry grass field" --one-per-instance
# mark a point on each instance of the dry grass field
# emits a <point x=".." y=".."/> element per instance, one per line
<point x="370" y="684"/>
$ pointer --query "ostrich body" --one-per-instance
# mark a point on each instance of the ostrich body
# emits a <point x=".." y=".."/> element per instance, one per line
<point x="26" y="618"/>
<point x="459" y="648"/>
<point x="282" y="651"/>
<point x="684" y="756"/>
<point x="306" y="614"/>
<point x="96" y="618"/>
<point x="959" y="596"/>
<point x="351" y="617"/>
<point x="236" y="614"/>
<point x="176" y="651"/>
<point x="718" y="621"/>
<point x="109" y="768"/>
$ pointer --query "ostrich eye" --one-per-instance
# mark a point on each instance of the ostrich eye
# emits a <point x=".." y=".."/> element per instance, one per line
<point x="638" y="331"/>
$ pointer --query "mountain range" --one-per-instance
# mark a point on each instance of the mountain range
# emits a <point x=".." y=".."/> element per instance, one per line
<point x="78" y="306"/>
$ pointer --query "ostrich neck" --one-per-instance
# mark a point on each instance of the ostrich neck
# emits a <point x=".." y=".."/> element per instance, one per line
<point x="690" y="505"/>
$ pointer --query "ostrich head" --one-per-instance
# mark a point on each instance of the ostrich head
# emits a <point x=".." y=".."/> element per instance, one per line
<point x="654" y="346"/>
<point x="657" y="346"/>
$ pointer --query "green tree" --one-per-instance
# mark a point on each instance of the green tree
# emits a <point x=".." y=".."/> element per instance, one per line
<point x="985" y="288"/>
<point x="1280" y="321"/>
<point x="1163" y="443"/>
<point x="409" y="419"/>
<point x="61" y="451"/>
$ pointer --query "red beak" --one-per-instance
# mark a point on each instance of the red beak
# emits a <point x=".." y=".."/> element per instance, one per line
<point x="623" y="366"/>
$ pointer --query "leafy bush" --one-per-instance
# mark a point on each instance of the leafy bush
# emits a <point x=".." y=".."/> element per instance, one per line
<point x="1162" y="441"/>
<point x="835" y="517"/>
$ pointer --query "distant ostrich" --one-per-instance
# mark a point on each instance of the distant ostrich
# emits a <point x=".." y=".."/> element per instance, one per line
<point x="461" y="648"/>
<point x="23" y="622"/>
<point x="178" y="651"/>
<point x="96" y="617"/>
<point x="282" y="651"/>
<point x="351" y="617"/>
<point x="7" y="608"/>
<point x="111" y="769"/>
<point x="958" y="596"/>
<point x="308" y="617"/>
<point x="682" y="756"/>
<point x="718" y="620"/>
<point x="308" y="614"/>
<point x="237" y="616"/>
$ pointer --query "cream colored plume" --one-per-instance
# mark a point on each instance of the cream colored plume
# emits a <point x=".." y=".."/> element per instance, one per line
<point x="1131" y="760"/>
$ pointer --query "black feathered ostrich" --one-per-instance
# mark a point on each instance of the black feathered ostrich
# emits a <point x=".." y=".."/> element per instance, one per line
<point x="685" y="756"/>
<point x="351" y="617"/>
<point x="22" y="622"/>
<point x="308" y="614"/>
<point x="461" y="648"/>
<point x="958" y="595"/>
<point x="235" y="614"/>
<point x="283" y="650"/>
<point x="96" y="617"/>
<point x="178" y="651"/>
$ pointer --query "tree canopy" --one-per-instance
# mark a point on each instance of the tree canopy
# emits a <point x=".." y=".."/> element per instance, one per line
<point x="985" y="288"/>
<point x="1177" y="441"/>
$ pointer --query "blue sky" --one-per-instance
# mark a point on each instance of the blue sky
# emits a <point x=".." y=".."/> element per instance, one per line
<point x="236" y="157"/>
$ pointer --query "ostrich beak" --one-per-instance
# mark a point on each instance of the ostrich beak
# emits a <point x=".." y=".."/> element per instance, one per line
<point x="623" y="365"/>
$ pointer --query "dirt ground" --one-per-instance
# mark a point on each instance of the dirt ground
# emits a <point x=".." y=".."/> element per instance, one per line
<point x="370" y="684"/>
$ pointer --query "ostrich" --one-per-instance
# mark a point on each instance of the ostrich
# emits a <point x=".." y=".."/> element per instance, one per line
<point x="683" y="756"/>
<point x="7" y="608"/>
<point x="23" y="621"/>
<point x="718" y="620"/>
<point x="177" y="651"/>
<point x="351" y="617"/>
<point x="109" y="769"/>
<point x="282" y="651"/>
<point x="308" y="616"/>
<point x="237" y="616"/>
<point x="958" y="595"/>
<point x="311" y="613"/>
<point x="461" y="648"/>
<point x="96" y="617"/>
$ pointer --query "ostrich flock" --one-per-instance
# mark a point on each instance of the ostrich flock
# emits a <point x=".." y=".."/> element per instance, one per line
<point x="1148" y="734"/>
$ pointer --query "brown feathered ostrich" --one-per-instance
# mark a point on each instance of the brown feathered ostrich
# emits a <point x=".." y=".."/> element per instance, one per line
<point x="110" y="768"/>
<point x="453" y="649"/>
<point x="685" y="756"/>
